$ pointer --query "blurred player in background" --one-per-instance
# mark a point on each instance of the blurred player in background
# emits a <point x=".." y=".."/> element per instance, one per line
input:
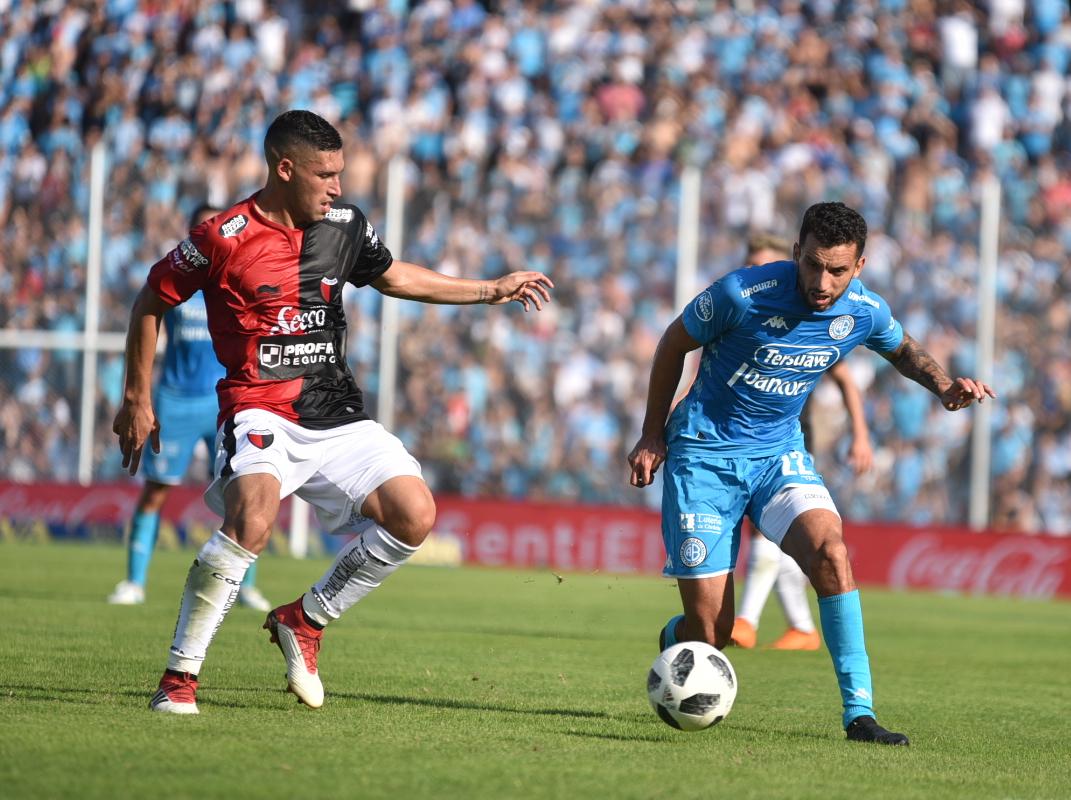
<point x="186" y="398"/>
<point x="733" y="446"/>
<point x="767" y="564"/>
<point x="292" y="417"/>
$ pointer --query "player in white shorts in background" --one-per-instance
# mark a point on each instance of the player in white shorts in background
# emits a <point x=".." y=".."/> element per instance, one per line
<point x="767" y="565"/>
<point x="292" y="418"/>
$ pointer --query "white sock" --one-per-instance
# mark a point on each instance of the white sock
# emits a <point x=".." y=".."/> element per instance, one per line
<point x="792" y="592"/>
<point x="762" y="564"/>
<point x="359" y="568"/>
<point x="211" y="589"/>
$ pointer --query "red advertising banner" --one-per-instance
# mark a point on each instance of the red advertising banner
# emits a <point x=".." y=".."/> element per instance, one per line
<point x="946" y="558"/>
<point x="583" y="538"/>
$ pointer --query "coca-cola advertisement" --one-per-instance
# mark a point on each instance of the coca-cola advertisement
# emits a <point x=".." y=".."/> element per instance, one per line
<point x="562" y="537"/>
<point x="960" y="560"/>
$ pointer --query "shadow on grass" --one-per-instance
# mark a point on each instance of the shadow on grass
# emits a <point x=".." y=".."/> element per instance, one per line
<point x="766" y="733"/>
<point x="16" y="691"/>
<point x="620" y="737"/>
<point x="94" y="696"/>
<point x="215" y="697"/>
<point x="390" y="625"/>
<point x="466" y="705"/>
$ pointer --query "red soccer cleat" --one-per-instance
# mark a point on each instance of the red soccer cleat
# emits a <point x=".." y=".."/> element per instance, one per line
<point x="300" y="644"/>
<point x="177" y="694"/>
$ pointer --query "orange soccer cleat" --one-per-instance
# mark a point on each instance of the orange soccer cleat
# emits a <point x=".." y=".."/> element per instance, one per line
<point x="744" y="634"/>
<point x="795" y="639"/>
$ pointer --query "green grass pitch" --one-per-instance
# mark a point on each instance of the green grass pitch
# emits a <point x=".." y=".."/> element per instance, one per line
<point x="470" y="683"/>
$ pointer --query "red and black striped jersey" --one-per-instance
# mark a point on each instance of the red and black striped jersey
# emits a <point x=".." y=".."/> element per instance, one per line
<point x="274" y="301"/>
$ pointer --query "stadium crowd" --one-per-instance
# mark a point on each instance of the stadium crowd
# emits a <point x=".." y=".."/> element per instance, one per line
<point x="552" y="136"/>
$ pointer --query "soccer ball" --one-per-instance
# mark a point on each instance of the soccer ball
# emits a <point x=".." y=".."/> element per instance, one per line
<point x="691" y="686"/>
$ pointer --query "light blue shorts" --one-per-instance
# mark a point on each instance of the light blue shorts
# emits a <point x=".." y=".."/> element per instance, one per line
<point x="705" y="499"/>
<point x="184" y="419"/>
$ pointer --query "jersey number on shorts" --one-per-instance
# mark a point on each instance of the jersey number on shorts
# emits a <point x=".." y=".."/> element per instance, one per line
<point x="793" y="464"/>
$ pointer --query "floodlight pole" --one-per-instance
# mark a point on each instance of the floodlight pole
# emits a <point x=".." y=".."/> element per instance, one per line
<point x="981" y="434"/>
<point x="388" y="321"/>
<point x="87" y="414"/>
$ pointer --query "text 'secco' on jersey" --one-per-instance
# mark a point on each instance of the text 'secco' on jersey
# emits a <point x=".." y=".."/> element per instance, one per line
<point x="274" y="301"/>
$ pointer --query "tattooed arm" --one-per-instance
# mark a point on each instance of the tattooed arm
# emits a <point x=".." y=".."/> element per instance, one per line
<point x="912" y="361"/>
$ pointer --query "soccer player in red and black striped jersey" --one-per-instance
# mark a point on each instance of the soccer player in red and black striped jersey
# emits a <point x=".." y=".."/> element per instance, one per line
<point x="291" y="417"/>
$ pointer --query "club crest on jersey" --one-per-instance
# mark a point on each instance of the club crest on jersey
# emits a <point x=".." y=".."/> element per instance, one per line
<point x="841" y="326"/>
<point x="704" y="307"/>
<point x="233" y="226"/>
<point x="327" y="285"/>
<point x="261" y="438"/>
<point x="693" y="552"/>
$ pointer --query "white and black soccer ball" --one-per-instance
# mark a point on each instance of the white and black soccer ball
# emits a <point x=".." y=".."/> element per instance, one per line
<point x="691" y="686"/>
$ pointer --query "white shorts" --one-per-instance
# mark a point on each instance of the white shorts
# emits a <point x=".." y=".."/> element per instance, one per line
<point x="333" y="470"/>
<point x="788" y="504"/>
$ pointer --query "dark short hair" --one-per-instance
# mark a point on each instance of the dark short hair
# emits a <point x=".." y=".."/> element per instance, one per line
<point x="294" y="129"/>
<point x="203" y="208"/>
<point x="832" y="224"/>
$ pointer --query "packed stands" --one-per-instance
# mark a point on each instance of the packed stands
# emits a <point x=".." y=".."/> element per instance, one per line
<point x="552" y="136"/>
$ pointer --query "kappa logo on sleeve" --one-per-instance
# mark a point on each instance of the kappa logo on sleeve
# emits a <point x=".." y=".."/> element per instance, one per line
<point x="233" y="226"/>
<point x="261" y="438"/>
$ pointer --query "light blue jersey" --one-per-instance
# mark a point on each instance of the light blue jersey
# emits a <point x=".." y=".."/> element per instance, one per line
<point x="185" y="397"/>
<point x="734" y="443"/>
<point x="190" y="364"/>
<point x="764" y="350"/>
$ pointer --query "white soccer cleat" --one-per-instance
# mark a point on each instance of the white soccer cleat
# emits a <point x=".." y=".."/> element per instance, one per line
<point x="177" y="694"/>
<point x="300" y="643"/>
<point x="251" y="597"/>
<point x="127" y="593"/>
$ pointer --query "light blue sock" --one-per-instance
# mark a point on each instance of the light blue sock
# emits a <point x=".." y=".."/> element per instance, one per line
<point x="143" y="530"/>
<point x="668" y="636"/>
<point x="842" y="627"/>
<point x="250" y="579"/>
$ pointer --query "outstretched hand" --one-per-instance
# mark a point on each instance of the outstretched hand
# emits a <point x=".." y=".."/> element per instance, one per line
<point x="963" y="392"/>
<point x="134" y="425"/>
<point x="526" y="287"/>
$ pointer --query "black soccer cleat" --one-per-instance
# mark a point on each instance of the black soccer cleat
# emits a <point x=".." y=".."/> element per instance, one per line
<point x="867" y="729"/>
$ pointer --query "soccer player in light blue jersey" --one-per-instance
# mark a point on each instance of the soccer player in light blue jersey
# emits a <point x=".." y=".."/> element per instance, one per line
<point x="767" y="565"/>
<point x="733" y="446"/>
<point x="186" y="400"/>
